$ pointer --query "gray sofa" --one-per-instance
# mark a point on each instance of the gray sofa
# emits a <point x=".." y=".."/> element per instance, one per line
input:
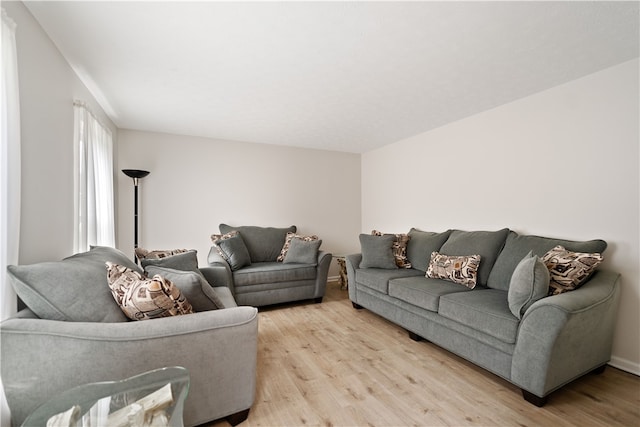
<point x="247" y="263"/>
<point x="550" y="342"/>
<point x="74" y="333"/>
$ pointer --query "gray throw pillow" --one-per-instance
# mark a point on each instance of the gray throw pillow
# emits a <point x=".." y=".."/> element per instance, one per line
<point x="377" y="251"/>
<point x="74" y="289"/>
<point x="187" y="261"/>
<point x="236" y="252"/>
<point x="529" y="283"/>
<point x="192" y="285"/>
<point x="302" y="251"/>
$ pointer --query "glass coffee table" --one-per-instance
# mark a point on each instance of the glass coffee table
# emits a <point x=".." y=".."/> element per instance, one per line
<point x="160" y="393"/>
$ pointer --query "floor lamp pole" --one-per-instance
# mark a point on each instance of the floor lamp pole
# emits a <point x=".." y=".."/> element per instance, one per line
<point x="136" y="174"/>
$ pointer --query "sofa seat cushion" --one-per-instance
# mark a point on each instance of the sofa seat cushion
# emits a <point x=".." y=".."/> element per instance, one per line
<point x="272" y="272"/>
<point x="485" y="310"/>
<point x="422" y="291"/>
<point x="378" y="279"/>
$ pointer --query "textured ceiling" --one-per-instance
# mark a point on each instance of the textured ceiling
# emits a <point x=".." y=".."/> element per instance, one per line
<point x="347" y="76"/>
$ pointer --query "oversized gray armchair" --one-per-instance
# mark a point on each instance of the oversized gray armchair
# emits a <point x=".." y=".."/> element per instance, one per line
<point x="247" y="263"/>
<point x="80" y="335"/>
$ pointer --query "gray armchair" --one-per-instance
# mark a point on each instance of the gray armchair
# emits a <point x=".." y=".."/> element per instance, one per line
<point x="251" y="270"/>
<point x="92" y="342"/>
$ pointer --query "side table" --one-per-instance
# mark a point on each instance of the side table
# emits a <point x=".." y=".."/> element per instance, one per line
<point x="102" y="399"/>
<point x="342" y="278"/>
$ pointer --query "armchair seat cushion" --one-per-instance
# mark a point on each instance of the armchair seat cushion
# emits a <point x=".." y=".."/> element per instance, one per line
<point x="272" y="272"/>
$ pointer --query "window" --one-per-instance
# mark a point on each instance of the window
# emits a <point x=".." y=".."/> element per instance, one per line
<point x="94" y="212"/>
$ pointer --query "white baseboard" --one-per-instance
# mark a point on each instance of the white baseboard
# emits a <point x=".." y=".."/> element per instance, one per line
<point x="333" y="278"/>
<point x="625" y="365"/>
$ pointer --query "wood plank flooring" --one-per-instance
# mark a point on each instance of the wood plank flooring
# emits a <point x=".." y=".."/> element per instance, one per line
<point x="331" y="365"/>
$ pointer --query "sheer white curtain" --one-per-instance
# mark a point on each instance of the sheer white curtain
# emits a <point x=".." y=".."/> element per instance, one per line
<point x="94" y="211"/>
<point x="9" y="177"/>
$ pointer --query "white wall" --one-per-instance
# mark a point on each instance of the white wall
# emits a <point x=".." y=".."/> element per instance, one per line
<point x="561" y="163"/>
<point x="197" y="183"/>
<point x="48" y="87"/>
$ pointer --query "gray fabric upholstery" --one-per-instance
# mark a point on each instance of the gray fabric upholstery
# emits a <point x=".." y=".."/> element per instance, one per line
<point x="517" y="246"/>
<point x="41" y="357"/>
<point x="485" y="310"/>
<point x="271" y="272"/>
<point x="423" y="292"/>
<point x="421" y="244"/>
<point x="183" y="261"/>
<point x="264" y="243"/>
<point x="529" y="283"/>
<point x="378" y="279"/>
<point x="377" y="251"/>
<point x="302" y="252"/>
<point x="193" y="286"/>
<point x="487" y="244"/>
<point x="235" y="251"/>
<point x="74" y="289"/>
<point x="268" y="282"/>
<point x="558" y="339"/>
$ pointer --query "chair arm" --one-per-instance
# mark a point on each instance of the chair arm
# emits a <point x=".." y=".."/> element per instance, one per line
<point x="218" y="272"/>
<point x="324" y="261"/>
<point x="352" y="262"/>
<point x="219" y="349"/>
<point x="562" y="337"/>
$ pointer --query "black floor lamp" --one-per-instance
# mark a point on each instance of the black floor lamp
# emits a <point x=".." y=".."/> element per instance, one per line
<point x="136" y="174"/>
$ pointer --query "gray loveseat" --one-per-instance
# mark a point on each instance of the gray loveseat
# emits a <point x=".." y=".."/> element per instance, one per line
<point x="544" y="345"/>
<point x="74" y="333"/>
<point x="245" y="259"/>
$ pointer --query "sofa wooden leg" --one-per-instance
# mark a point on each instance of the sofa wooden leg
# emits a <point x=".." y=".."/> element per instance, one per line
<point x="356" y="306"/>
<point x="317" y="300"/>
<point x="415" y="336"/>
<point x="533" y="399"/>
<point x="238" y="417"/>
<point x="599" y="370"/>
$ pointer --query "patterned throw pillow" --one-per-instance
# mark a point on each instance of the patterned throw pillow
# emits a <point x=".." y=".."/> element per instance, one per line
<point x="399" y="248"/>
<point x="287" y="243"/>
<point x="569" y="270"/>
<point x="141" y="298"/>
<point x="157" y="254"/>
<point x="458" y="269"/>
<point x="216" y="238"/>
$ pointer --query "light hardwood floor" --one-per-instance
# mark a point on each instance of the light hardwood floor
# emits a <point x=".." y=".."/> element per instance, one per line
<point x="329" y="364"/>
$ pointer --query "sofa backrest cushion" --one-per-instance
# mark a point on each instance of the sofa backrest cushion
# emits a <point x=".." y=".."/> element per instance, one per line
<point x="487" y="244"/>
<point x="421" y="244"/>
<point x="74" y="289"/>
<point x="517" y="246"/>
<point x="264" y="243"/>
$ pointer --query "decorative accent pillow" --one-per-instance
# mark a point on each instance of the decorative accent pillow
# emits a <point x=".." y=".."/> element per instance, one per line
<point x="569" y="270"/>
<point x="215" y="238"/>
<point x="235" y="252"/>
<point x="141" y="298"/>
<point x="303" y="251"/>
<point x="458" y="269"/>
<point x="287" y="243"/>
<point x="377" y="251"/>
<point x="529" y="283"/>
<point x="142" y="253"/>
<point x="399" y="248"/>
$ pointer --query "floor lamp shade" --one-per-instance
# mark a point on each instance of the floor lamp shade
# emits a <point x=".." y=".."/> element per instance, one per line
<point x="136" y="174"/>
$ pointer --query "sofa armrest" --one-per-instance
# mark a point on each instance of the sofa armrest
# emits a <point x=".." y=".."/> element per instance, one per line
<point x="324" y="261"/>
<point x="565" y="336"/>
<point x="218" y="272"/>
<point x="352" y="263"/>
<point x="219" y="349"/>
